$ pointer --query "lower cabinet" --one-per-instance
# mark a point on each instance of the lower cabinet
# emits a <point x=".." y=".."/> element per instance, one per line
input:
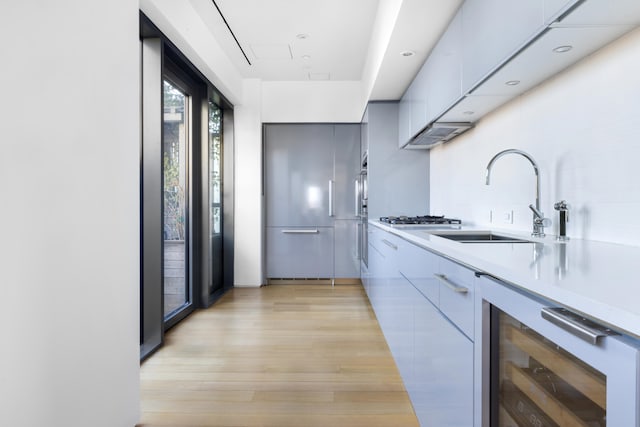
<point x="423" y="309"/>
<point x="441" y="385"/>
<point x="300" y="252"/>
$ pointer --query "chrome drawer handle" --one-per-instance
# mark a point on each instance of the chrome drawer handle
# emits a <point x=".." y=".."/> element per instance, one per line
<point x="575" y="324"/>
<point x="391" y="245"/>
<point x="451" y="285"/>
<point x="316" y="231"/>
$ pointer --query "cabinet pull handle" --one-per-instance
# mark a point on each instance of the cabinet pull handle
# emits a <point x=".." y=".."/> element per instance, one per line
<point x="356" y="197"/>
<point x="391" y="245"/>
<point x="575" y="324"/>
<point x="451" y="285"/>
<point x="330" y="197"/>
<point x="307" y="231"/>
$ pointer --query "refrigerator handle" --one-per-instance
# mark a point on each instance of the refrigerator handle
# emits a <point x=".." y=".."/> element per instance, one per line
<point x="356" y="198"/>
<point x="330" y="197"/>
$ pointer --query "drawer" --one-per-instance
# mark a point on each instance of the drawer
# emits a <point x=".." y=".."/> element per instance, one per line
<point x="388" y="245"/>
<point x="419" y="265"/>
<point x="299" y="252"/>
<point x="457" y="288"/>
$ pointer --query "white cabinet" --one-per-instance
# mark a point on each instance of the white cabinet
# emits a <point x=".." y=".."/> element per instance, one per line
<point x="424" y="326"/>
<point x="441" y="390"/>
<point x="444" y="70"/>
<point x="418" y="101"/>
<point x="492" y="30"/>
<point x="404" y="119"/>
<point x="457" y="290"/>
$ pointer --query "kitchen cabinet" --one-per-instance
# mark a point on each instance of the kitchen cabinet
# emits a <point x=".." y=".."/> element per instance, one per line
<point x="295" y="252"/>
<point x="424" y="328"/>
<point x="404" y="119"/>
<point x="310" y="170"/>
<point x="444" y="71"/>
<point x="418" y="101"/>
<point x="398" y="180"/>
<point x="492" y="30"/>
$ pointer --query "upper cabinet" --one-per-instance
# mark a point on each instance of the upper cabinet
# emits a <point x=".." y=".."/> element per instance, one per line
<point x="492" y="30"/>
<point x="494" y="50"/>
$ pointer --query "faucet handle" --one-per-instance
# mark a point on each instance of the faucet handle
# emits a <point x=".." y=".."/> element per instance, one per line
<point x="536" y="212"/>
<point x="545" y="222"/>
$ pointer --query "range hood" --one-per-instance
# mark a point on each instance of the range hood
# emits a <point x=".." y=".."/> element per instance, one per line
<point x="438" y="132"/>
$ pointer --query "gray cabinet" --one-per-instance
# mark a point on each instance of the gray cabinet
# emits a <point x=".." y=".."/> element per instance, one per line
<point x="444" y="70"/>
<point x="298" y="169"/>
<point x="492" y="30"/>
<point x="299" y="252"/>
<point x="428" y="324"/>
<point x="398" y="180"/>
<point x="310" y="172"/>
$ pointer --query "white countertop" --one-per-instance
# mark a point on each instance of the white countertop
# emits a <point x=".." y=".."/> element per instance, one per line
<point x="597" y="279"/>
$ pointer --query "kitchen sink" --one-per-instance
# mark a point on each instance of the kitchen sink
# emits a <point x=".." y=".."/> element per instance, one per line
<point x="480" y="237"/>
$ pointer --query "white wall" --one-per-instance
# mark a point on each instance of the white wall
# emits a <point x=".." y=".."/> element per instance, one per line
<point x="69" y="167"/>
<point x="248" y="187"/>
<point x="312" y="102"/>
<point x="582" y="129"/>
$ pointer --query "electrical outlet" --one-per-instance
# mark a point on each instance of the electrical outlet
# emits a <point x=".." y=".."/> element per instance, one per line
<point x="507" y="217"/>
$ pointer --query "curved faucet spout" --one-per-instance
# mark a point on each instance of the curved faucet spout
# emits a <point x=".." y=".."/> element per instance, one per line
<point x="538" y="228"/>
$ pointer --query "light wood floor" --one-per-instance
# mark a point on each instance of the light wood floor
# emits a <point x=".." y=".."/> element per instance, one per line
<point x="282" y="355"/>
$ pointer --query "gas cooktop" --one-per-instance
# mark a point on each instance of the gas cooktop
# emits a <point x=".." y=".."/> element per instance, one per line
<point x="423" y="220"/>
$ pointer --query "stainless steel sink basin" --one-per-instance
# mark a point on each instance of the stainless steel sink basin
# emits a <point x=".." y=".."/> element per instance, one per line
<point x="481" y="237"/>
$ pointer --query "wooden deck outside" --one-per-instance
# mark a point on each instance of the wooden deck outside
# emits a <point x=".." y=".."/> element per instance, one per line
<point x="281" y="355"/>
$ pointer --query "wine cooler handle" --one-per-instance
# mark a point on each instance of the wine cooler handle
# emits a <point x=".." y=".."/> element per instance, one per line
<point x="449" y="284"/>
<point x="575" y="324"/>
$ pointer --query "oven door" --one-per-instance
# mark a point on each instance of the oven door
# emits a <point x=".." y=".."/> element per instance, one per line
<point x="535" y="373"/>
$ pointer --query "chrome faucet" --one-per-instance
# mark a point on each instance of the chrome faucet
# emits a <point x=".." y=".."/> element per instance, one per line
<point x="539" y="221"/>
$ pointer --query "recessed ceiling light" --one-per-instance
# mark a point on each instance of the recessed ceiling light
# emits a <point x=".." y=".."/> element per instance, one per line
<point x="302" y="36"/>
<point x="513" y="82"/>
<point x="469" y="113"/>
<point x="563" y="49"/>
<point x="407" y="53"/>
<point x="306" y="57"/>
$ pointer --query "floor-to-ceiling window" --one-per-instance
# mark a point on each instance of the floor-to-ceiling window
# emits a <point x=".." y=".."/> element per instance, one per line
<point x="215" y="165"/>
<point x="186" y="187"/>
<point x="175" y="140"/>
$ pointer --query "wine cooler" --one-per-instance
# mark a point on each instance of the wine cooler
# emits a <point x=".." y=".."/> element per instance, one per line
<point x="546" y="366"/>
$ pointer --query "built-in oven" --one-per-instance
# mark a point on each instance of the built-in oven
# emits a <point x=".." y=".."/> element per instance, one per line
<point x="363" y="210"/>
<point x="540" y="365"/>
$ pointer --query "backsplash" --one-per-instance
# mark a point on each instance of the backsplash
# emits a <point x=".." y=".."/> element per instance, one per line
<point x="583" y="129"/>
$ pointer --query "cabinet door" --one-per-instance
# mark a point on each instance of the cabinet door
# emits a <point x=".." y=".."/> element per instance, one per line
<point x="492" y="30"/>
<point x="346" y="170"/>
<point x="457" y="290"/>
<point x="442" y="389"/>
<point x="404" y="119"/>
<point x="444" y="70"/>
<point x="298" y="168"/>
<point x="346" y="249"/>
<point x="553" y="7"/>
<point x="297" y="252"/>
<point x="418" y="101"/>
<point x="420" y="266"/>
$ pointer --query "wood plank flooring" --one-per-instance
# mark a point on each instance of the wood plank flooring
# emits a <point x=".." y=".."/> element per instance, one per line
<point x="281" y="355"/>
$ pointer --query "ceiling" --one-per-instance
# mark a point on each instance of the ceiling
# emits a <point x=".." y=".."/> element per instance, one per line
<point x="307" y="40"/>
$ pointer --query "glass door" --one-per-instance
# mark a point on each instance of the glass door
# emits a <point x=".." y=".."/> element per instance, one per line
<point x="541" y="384"/>
<point x="175" y="142"/>
<point x="215" y="240"/>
